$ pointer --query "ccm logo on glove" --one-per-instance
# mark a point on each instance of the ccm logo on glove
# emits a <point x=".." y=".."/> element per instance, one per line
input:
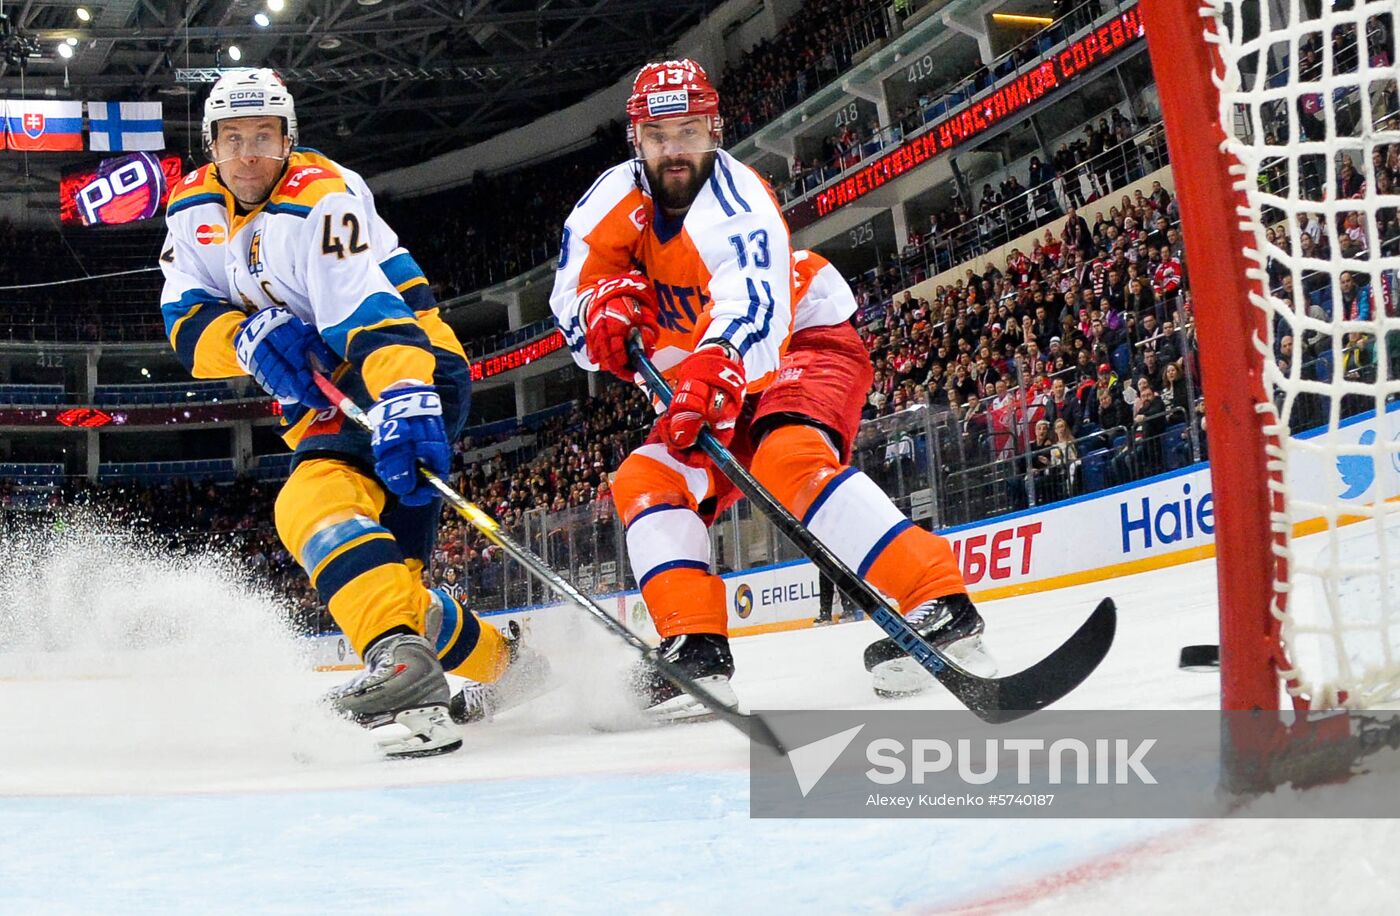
<point x="276" y="347"/>
<point x="709" y="393"/>
<point x="387" y="412"/>
<point x="620" y="305"/>
<point x="408" y="431"/>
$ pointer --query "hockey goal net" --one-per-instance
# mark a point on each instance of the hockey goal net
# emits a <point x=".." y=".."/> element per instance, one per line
<point x="1282" y="122"/>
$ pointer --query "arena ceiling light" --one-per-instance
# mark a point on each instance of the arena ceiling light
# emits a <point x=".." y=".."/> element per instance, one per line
<point x="65" y="50"/>
<point x="277" y="6"/>
<point x="83" y="14"/>
<point x="261" y="20"/>
<point x="235" y="53"/>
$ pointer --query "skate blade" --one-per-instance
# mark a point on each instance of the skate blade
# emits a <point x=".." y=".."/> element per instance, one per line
<point x="508" y="697"/>
<point x="904" y="677"/>
<point x="685" y="707"/>
<point x="431" y="733"/>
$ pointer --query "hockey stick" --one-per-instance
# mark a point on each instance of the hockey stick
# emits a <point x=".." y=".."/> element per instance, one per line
<point x="752" y="725"/>
<point x="993" y="700"/>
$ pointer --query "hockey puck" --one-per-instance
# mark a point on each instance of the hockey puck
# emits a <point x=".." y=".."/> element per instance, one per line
<point x="1199" y="658"/>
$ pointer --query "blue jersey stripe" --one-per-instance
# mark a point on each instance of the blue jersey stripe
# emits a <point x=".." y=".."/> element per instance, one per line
<point x="899" y="528"/>
<point x="401" y="268"/>
<point x="172" y="312"/>
<point x="659" y="507"/>
<point x="729" y="180"/>
<point x="375" y="308"/>
<point x="673" y="564"/>
<point x="292" y="209"/>
<point x="719" y="195"/>
<point x="589" y="193"/>
<point x="209" y="197"/>
<point x="825" y="494"/>
<point x="759" y="332"/>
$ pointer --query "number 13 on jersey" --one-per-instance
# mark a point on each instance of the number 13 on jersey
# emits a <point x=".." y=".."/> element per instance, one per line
<point x="757" y="246"/>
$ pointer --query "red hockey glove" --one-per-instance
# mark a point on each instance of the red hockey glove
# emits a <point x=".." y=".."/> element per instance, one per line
<point x="709" y="392"/>
<point x="620" y="304"/>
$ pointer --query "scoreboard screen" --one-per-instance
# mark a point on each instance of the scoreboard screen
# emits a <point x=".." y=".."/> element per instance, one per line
<point x="121" y="189"/>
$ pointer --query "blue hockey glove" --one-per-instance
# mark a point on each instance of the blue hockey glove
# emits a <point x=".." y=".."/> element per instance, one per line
<point x="274" y="346"/>
<point x="407" y="430"/>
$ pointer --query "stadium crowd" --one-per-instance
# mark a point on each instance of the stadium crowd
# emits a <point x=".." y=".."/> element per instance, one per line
<point x="815" y="46"/>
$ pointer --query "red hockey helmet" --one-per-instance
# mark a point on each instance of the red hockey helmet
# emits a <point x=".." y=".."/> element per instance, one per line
<point x="672" y="89"/>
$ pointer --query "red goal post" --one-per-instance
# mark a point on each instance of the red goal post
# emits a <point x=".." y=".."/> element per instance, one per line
<point x="1227" y="324"/>
<point x="1283" y="123"/>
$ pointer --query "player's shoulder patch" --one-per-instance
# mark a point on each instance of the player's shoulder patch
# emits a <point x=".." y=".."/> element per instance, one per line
<point x="198" y="187"/>
<point x="309" y="179"/>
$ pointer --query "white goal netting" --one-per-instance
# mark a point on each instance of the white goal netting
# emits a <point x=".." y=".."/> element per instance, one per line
<point x="1309" y="104"/>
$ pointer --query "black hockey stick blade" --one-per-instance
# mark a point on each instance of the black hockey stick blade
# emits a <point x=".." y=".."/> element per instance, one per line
<point x="1005" y="699"/>
<point x="750" y="724"/>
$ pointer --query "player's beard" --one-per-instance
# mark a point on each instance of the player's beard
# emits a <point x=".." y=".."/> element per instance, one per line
<point x="672" y="192"/>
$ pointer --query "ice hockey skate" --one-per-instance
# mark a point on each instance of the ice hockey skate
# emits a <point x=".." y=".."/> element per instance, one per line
<point x="705" y="658"/>
<point x="951" y="625"/>
<point x="402" y="683"/>
<point x="526" y="677"/>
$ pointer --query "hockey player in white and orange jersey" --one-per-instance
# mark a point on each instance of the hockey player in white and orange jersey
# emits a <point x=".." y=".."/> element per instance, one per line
<point x="686" y="245"/>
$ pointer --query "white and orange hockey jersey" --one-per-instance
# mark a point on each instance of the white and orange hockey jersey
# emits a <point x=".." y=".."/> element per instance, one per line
<point x="726" y="270"/>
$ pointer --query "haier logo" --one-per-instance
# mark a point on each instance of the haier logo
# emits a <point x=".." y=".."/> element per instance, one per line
<point x="672" y="101"/>
<point x="1168" y="522"/>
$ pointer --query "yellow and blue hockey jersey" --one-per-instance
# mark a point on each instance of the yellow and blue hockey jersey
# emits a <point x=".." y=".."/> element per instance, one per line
<point x="317" y="247"/>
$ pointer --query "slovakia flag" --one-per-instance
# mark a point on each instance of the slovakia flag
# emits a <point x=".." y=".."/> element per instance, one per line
<point x="43" y="126"/>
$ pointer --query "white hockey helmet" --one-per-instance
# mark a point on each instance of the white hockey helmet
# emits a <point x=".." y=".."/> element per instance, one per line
<point x="249" y="93"/>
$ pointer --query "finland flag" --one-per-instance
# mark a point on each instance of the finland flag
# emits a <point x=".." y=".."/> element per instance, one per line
<point x="125" y="126"/>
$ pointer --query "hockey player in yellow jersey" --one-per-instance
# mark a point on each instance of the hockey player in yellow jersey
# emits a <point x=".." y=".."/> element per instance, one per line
<point x="276" y="263"/>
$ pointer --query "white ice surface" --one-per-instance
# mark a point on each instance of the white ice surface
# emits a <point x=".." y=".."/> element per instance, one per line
<point x="136" y="776"/>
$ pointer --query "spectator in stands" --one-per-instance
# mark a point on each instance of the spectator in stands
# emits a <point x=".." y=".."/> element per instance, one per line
<point x="1061" y="406"/>
<point x="1076" y="234"/>
<point x="1173" y="390"/>
<point x="1167" y="278"/>
<point x="1064" y="459"/>
<point x="1149" y="423"/>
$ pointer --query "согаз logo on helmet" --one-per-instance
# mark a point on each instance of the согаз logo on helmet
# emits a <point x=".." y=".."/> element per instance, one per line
<point x="674" y="101"/>
<point x="246" y="98"/>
